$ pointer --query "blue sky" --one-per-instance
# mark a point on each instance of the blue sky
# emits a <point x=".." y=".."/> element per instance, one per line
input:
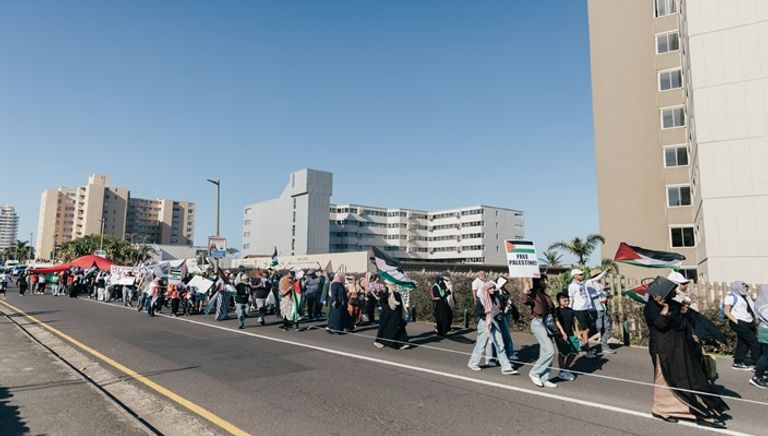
<point x="421" y="104"/>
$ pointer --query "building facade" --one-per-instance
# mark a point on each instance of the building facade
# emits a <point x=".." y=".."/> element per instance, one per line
<point x="471" y="234"/>
<point x="71" y="213"/>
<point x="9" y="226"/>
<point x="681" y="131"/>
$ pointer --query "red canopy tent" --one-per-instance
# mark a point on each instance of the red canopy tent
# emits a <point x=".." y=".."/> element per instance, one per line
<point x="84" y="262"/>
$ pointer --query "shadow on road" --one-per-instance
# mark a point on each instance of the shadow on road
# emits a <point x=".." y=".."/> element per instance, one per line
<point x="10" y="419"/>
<point x="39" y="312"/>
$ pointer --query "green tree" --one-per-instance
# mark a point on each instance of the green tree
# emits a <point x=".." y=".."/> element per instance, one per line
<point x="232" y="251"/>
<point x="118" y="250"/>
<point x="582" y="249"/>
<point x="551" y="258"/>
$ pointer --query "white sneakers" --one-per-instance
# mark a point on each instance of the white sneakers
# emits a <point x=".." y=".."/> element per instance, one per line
<point x="566" y="375"/>
<point x="541" y="383"/>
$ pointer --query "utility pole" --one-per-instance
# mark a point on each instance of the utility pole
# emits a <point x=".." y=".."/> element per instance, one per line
<point x="217" y="182"/>
<point x="101" y="238"/>
<point x="31" y="254"/>
<point x="53" y="256"/>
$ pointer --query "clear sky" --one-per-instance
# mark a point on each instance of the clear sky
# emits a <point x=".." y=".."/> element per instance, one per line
<point x="420" y="104"/>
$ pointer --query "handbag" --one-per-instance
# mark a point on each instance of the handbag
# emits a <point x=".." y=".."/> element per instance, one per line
<point x="551" y="326"/>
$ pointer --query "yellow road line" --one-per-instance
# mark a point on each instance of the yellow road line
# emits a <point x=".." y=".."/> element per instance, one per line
<point x="225" y="425"/>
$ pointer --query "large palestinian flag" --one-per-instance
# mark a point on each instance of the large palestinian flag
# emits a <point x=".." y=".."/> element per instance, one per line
<point x="647" y="258"/>
<point x="389" y="269"/>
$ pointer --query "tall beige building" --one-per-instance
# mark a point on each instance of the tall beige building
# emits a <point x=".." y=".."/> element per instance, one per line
<point x="71" y="213"/>
<point x="680" y="100"/>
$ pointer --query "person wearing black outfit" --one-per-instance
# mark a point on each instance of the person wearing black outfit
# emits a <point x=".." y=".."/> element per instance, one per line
<point x="242" y="292"/>
<point x="676" y="362"/>
<point x="442" y="310"/>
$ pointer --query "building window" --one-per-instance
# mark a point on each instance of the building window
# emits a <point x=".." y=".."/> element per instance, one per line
<point x="676" y="156"/>
<point x="672" y="117"/>
<point x="665" y="7"/>
<point x="678" y="196"/>
<point x="667" y="42"/>
<point x="246" y="246"/>
<point x="247" y="222"/>
<point x="682" y="237"/>
<point x="671" y="79"/>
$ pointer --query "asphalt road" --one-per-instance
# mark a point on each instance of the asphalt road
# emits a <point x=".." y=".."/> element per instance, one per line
<point x="267" y="381"/>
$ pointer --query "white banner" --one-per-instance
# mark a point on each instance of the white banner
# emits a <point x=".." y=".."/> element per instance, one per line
<point x="199" y="284"/>
<point x="522" y="259"/>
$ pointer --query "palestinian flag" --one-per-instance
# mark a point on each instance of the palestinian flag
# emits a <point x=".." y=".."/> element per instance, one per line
<point x="389" y="269"/>
<point x="648" y="258"/>
<point x="295" y="310"/>
<point x="638" y="293"/>
<point x="520" y="247"/>
<point x="274" y="261"/>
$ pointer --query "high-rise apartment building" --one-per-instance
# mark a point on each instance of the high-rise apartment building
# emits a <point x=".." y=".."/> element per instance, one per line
<point x="303" y="221"/>
<point x="680" y="100"/>
<point x="9" y="226"/>
<point x="71" y="213"/>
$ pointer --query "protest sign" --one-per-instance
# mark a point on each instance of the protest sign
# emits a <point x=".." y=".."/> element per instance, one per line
<point x="521" y="259"/>
<point x="200" y="284"/>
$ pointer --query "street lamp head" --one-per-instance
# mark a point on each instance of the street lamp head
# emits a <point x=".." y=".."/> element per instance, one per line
<point x="215" y="182"/>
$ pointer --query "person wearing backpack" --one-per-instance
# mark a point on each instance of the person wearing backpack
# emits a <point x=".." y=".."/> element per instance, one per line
<point x="739" y="310"/>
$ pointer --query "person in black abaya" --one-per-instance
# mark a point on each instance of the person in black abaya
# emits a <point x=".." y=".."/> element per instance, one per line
<point x="391" y="324"/>
<point x="442" y="310"/>
<point x="677" y="362"/>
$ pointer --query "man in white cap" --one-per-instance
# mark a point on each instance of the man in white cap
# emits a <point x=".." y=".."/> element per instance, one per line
<point x="581" y="302"/>
<point x="682" y="296"/>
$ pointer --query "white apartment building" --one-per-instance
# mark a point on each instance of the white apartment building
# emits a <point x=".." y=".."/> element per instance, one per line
<point x="9" y="226"/>
<point x="680" y="100"/>
<point x="71" y="213"/>
<point x="471" y="234"/>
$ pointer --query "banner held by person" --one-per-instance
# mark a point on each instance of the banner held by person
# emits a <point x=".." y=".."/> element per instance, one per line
<point x="521" y="259"/>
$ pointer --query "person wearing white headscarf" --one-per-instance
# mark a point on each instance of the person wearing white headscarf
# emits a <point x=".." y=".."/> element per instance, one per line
<point x="738" y="308"/>
<point x="488" y="313"/>
<point x="761" y="311"/>
<point x="338" y="317"/>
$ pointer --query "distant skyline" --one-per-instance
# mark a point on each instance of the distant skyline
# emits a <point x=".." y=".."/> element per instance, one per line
<point x="415" y="104"/>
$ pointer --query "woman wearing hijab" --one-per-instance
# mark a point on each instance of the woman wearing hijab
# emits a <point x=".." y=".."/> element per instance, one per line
<point x="372" y="291"/>
<point x="391" y="324"/>
<point x="677" y="364"/>
<point x="288" y="306"/>
<point x="761" y="311"/>
<point x="442" y="310"/>
<point x="488" y="313"/>
<point x="337" y="305"/>
<point x="739" y="310"/>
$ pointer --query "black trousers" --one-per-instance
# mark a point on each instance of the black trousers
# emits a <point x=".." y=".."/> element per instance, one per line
<point x="370" y="309"/>
<point x="313" y="305"/>
<point x="746" y="341"/>
<point x="175" y="306"/>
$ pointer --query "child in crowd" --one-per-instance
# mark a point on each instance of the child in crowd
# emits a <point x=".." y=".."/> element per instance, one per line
<point x="568" y="341"/>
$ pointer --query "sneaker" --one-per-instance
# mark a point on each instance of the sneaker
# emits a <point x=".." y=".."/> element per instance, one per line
<point x="608" y="350"/>
<point x="742" y="367"/>
<point x="492" y="362"/>
<point x="378" y="345"/>
<point x="514" y="356"/>
<point x="406" y="347"/>
<point x="474" y="368"/>
<point x="590" y="354"/>
<point x="566" y="376"/>
<point x="537" y="381"/>
<point x="510" y="371"/>
<point x="548" y="384"/>
<point x="759" y="382"/>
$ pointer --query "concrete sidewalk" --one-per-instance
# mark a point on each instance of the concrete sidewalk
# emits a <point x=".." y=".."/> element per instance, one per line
<point x="41" y="395"/>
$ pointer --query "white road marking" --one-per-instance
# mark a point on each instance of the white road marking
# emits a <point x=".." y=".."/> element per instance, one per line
<point x="538" y="393"/>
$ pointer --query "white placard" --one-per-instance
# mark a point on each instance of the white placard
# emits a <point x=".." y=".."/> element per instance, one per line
<point x="522" y="259"/>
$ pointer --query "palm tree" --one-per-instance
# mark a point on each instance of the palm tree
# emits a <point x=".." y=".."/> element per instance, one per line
<point x="551" y="258"/>
<point x="232" y="251"/>
<point x="582" y="249"/>
<point x="609" y="265"/>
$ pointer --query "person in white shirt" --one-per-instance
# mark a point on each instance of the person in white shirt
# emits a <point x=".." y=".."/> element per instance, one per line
<point x="599" y="311"/>
<point x="3" y="283"/>
<point x="477" y="285"/>
<point x="738" y="308"/>
<point x="581" y="303"/>
<point x="682" y="295"/>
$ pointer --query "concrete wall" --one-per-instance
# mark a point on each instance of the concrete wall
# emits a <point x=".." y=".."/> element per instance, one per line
<point x="729" y="79"/>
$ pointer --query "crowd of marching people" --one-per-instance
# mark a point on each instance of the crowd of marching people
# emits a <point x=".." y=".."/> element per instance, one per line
<point x="564" y="324"/>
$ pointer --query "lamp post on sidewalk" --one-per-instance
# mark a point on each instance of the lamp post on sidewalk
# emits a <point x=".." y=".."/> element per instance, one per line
<point x="217" y="182"/>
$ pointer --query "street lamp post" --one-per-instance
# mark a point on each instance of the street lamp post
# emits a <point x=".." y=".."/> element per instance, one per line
<point x="31" y="253"/>
<point x="217" y="182"/>
<point x="53" y="255"/>
<point x="101" y="238"/>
